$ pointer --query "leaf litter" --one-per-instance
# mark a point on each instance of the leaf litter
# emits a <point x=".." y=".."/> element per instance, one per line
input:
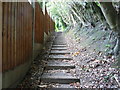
<point x="94" y="68"/>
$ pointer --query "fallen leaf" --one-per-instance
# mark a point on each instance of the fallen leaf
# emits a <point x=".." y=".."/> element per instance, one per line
<point x="76" y="53"/>
<point x="42" y="86"/>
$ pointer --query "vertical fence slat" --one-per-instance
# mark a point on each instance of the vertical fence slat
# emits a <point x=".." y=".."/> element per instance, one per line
<point x="22" y="55"/>
<point x="8" y="39"/>
<point x="27" y="26"/>
<point x="15" y="41"/>
<point x="17" y="36"/>
<point x="20" y="32"/>
<point x="5" y="35"/>
<point x="25" y="33"/>
<point x="12" y="34"/>
<point x="1" y="23"/>
<point x="39" y="26"/>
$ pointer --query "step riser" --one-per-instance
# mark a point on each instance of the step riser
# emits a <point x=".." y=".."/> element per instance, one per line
<point x="59" y="58"/>
<point x="59" y="46"/>
<point x="58" y="53"/>
<point x="59" y="43"/>
<point x="59" y="67"/>
<point x="58" y="49"/>
<point x="63" y="81"/>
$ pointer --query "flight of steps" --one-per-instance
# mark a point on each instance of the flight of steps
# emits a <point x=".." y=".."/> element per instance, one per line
<point x="60" y="67"/>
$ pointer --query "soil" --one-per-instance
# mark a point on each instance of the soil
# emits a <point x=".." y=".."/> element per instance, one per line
<point x="94" y="67"/>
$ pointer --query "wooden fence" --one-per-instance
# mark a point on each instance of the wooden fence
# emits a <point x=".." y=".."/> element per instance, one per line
<point x="46" y="21"/>
<point x="52" y="25"/>
<point x="17" y="34"/>
<point x="43" y="23"/>
<point x="39" y="24"/>
<point x="17" y="29"/>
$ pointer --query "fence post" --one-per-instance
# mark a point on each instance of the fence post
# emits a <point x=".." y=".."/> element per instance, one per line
<point x="0" y="45"/>
<point x="33" y="29"/>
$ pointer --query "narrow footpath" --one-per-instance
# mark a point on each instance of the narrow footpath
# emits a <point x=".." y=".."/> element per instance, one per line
<point x="60" y="67"/>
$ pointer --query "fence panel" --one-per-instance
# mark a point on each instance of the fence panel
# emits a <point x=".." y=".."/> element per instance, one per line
<point x="17" y="34"/>
<point x="39" y="26"/>
<point x="0" y="40"/>
<point x="49" y="23"/>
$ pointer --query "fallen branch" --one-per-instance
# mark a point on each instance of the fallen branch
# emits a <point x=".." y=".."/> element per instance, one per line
<point x="115" y="77"/>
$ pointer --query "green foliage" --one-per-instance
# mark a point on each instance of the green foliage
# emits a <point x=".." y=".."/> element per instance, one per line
<point x="106" y="78"/>
<point x="59" y="24"/>
<point x="69" y="13"/>
<point x="98" y="4"/>
<point x="93" y="38"/>
<point x="108" y="45"/>
<point x="58" y="11"/>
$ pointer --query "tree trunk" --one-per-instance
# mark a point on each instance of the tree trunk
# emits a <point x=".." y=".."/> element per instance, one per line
<point x="110" y="14"/>
<point x="112" y="19"/>
<point x="98" y="11"/>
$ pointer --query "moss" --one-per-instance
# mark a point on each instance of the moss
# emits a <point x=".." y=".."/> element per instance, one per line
<point x="95" y="38"/>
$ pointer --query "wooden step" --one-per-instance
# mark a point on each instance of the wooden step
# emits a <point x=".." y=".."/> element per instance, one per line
<point x="60" y="64"/>
<point x="59" y="57"/>
<point x="59" y="45"/>
<point x="58" y="76"/>
<point x="58" y="48"/>
<point x="54" y="43"/>
<point x="59" y="52"/>
<point x="57" y="86"/>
